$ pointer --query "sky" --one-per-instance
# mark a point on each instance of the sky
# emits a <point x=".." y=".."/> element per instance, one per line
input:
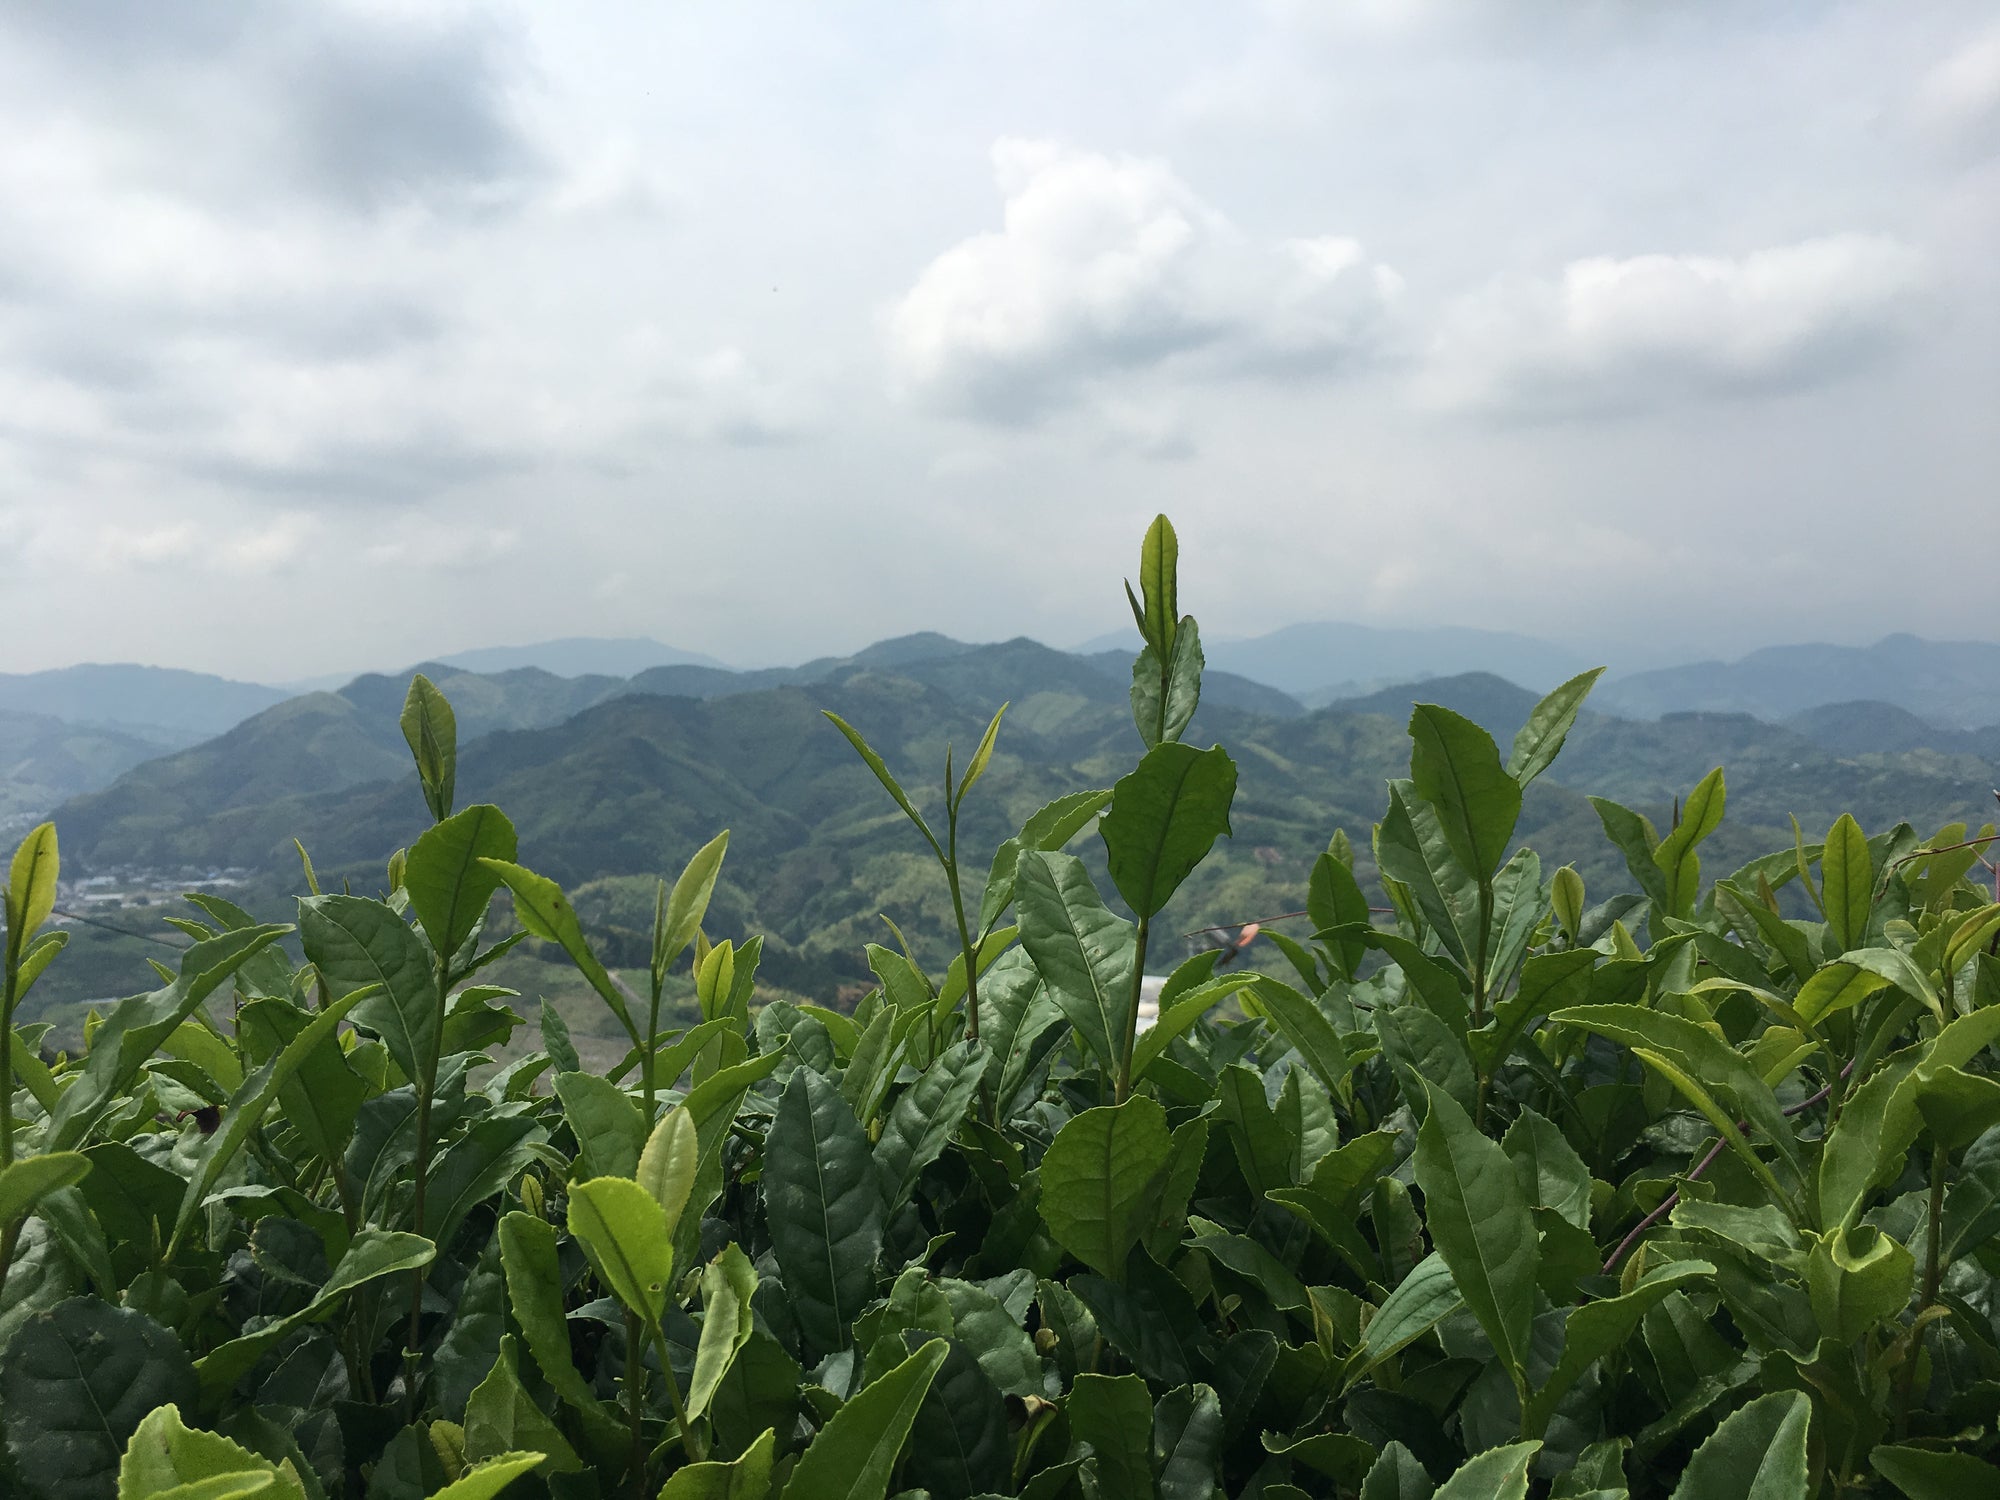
<point x="340" y="335"/>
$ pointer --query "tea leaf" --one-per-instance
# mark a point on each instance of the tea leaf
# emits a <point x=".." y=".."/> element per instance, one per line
<point x="1164" y="818"/>
<point x="746" y="1478"/>
<point x="727" y="1284"/>
<point x="1758" y="1453"/>
<point x="1540" y="740"/>
<point x="623" y="1232"/>
<point x="528" y="1252"/>
<point x="1847" y="882"/>
<point x="1114" y="1415"/>
<point x="25" y="1183"/>
<point x="1496" y="1474"/>
<point x="1099" y="1178"/>
<point x="75" y="1384"/>
<point x="689" y="902"/>
<point x="430" y="729"/>
<point x="1084" y="953"/>
<point x="31" y="888"/>
<point x="1481" y="1224"/>
<point x="962" y="1446"/>
<point x="448" y="878"/>
<point x="546" y="913"/>
<point x="824" y="1204"/>
<point x="925" y="1117"/>
<point x="358" y="944"/>
<point x="1926" y="1474"/>
<point x="854" y="1454"/>
<point x="1456" y="769"/>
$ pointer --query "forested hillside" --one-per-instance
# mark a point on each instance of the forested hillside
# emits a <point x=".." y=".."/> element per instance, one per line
<point x="606" y="777"/>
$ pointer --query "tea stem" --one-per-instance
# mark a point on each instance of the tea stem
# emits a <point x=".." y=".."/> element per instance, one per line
<point x="1131" y="1038"/>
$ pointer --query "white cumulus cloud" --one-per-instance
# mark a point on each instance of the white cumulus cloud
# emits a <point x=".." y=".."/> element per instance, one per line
<point x="1111" y="266"/>
<point x="1650" y="330"/>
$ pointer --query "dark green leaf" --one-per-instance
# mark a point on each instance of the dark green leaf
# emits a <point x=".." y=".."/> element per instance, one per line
<point x="1456" y="769"/>
<point x="1114" y="1415"/>
<point x="1049" y="828"/>
<point x="1758" y="1453"/>
<point x="535" y="1290"/>
<point x="1163" y="819"/>
<point x="136" y="1028"/>
<point x="606" y="1122"/>
<point x="1540" y="740"/>
<point x="1306" y="1027"/>
<point x="1496" y="1474"/>
<point x="1552" y="1175"/>
<point x="853" y="1455"/>
<point x="1397" y="1475"/>
<point x="925" y="1117"/>
<point x="75" y="1383"/>
<point x="359" y="944"/>
<point x="1084" y="954"/>
<point x="1481" y="1224"/>
<point x="824" y="1206"/>
<point x="1099" y="1179"/>
<point x="1927" y="1474"/>
<point x="1187" y="1443"/>
<point x="963" y="1447"/>
<point x="501" y="1418"/>
<point x="321" y="1098"/>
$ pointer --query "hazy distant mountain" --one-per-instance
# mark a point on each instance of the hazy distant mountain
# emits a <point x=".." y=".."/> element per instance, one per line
<point x="162" y="704"/>
<point x="45" y="760"/>
<point x="580" y="656"/>
<point x="1495" y="704"/>
<point x="1329" y="660"/>
<point x="1874" y="728"/>
<point x="608" y="795"/>
<point x="1955" y="683"/>
<point x="315" y="743"/>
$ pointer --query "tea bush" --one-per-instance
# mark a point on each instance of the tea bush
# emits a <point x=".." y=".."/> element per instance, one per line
<point x="1484" y="1196"/>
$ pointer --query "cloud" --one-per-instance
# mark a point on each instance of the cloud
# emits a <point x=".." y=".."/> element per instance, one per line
<point x="361" y="107"/>
<point x="1958" y="101"/>
<point x="1111" y="267"/>
<point x="1651" y="330"/>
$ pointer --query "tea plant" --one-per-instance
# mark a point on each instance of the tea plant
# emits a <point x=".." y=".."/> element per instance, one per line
<point x="1694" y="1191"/>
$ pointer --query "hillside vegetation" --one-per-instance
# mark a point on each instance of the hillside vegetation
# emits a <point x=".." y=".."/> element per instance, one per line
<point x="603" y="773"/>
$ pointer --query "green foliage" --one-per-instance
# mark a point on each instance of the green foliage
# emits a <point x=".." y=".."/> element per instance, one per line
<point x="1497" y="1193"/>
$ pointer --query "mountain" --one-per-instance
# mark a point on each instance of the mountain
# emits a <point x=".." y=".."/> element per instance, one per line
<point x="1028" y="666"/>
<point x="46" y="760"/>
<point x="1871" y="727"/>
<point x="1327" y="660"/>
<point x="580" y="656"/>
<point x="320" y="743"/>
<point x="163" y="704"/>
<point x="1955" y="683"/>
<point x="1493" y="703"/>
<point x="609" y="787"/>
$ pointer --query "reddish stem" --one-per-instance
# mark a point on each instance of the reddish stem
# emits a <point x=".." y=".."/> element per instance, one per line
<point x="1667" y="1203"/>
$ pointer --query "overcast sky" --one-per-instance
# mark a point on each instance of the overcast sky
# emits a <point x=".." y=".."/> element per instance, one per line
<point x="338" y="335"/>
